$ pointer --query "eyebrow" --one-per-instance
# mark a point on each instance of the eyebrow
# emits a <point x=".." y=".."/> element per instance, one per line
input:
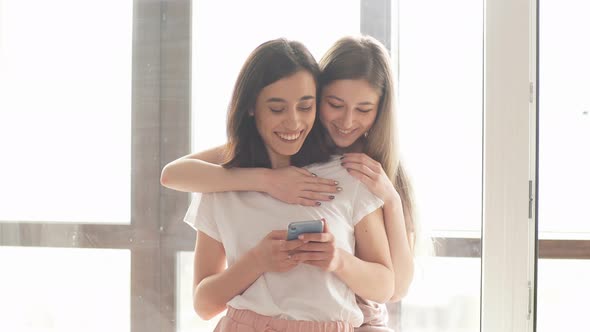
<point x="341" y="100"/>
<point x="281" y="100"/>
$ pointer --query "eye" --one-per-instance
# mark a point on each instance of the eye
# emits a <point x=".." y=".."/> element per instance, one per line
<point x="335" y="106"/>
<point x="364" y="110"/>
<point x="276" y="110"/>
<point x="305" y="109"/>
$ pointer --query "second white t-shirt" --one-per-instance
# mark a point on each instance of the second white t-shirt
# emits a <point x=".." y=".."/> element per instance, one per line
<point x="239" y="220"/>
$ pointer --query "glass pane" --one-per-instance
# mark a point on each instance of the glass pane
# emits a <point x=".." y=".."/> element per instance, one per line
<point x="213" y="80"/>
<point x="187" y="318"/>
<point x="440" y="97"/>
<point x="445" y="302"/>
<point x="65" y="110"/>
<point x="564" y="119"/>
<point x="562" y="295"/>
<point x="440" y="115"/>
<point x="564" y="161"/>
<point x="64" y="290"/>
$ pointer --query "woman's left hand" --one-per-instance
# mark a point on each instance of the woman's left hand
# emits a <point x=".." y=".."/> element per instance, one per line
<point x="371" y="173"/>
<point x="319" y="250"/>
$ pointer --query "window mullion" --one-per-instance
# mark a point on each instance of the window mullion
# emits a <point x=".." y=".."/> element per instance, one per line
<point x="175" y="133"/>
<point x="145" y="167"/>
<point x="507" y="252"/>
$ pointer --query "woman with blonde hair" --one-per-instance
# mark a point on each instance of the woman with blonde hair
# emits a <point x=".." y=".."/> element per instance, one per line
<point x="358" y="111"/>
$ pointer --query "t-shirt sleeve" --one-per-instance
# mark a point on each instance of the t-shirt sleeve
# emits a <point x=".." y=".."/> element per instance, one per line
<point x="200" y="215"/>
<point x="364" y="202"/>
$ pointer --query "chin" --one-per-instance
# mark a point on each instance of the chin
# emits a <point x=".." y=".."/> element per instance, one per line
<point x="292" y="152"/>
<point x="343" y="144"/>
<point x="287" y="151"/>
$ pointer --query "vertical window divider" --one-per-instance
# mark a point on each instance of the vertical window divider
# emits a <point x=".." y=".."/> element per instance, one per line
<point x="506" y="238"/>
<point x="175" y="141"/>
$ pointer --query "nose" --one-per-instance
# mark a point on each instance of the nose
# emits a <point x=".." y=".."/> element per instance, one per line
<point x="292" y="119"/>
<point x="347" y="119"/>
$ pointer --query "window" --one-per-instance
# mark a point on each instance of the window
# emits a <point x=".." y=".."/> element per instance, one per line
<point x="213" y="81"/>
<point x="453" y="96"/>
<point x="96" y="97"/>
<point x="440" y="123"/>
<point x="564" y="139"/>
<point x="65" y="88"/>
<point x="80" y="132"/>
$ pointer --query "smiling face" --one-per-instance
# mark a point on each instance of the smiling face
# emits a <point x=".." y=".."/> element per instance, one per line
<point x="284" y="115"/>
<point x="348" y="110"/>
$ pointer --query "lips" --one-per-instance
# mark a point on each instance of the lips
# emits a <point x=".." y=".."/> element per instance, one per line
<point x="343" y="132"/>
<point x="290" y="137"/>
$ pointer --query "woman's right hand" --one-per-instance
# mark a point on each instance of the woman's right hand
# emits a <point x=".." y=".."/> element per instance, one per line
<point x="296" y="185"/>
<point x="273" y="252"/>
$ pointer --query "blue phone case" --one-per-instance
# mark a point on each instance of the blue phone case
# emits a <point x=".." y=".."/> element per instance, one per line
<point x="299" y="227"/>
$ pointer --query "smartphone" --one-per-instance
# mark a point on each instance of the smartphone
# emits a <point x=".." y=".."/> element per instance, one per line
<point x="299" y="227"/>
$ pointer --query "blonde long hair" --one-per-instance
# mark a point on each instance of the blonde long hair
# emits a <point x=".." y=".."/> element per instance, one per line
<point x="364" y="57"/>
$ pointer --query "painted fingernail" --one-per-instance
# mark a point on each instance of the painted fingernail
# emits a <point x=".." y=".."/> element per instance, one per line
<point x="339" y="188"/>
<point x="336" y="183"/>
<point x="313" y="174"/>
<point x="341" y="157"/>
<point x="331" y="197"/>
<point x="341" y="164"/>
<point x="318" y="203"/>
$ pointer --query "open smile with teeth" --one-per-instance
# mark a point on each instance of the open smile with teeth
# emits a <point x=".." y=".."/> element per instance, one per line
<point x="344" y="132"/>
<point x="289" y="137"/>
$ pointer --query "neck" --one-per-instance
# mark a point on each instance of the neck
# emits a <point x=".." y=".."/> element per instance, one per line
<point x="282" y="162"/>
<point x="357" y="146"/>
<point x="278" y="161"/>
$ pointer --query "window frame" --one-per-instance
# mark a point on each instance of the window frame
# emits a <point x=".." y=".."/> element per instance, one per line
<point x="161" y="131"/>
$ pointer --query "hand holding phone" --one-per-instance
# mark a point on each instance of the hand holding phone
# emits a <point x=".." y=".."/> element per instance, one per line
<point x="319" y="249"/>
<point x="300" y="227"/>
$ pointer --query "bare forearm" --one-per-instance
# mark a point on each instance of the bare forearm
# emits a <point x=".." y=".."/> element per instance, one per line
<point x="193" y="175"/>
<point x="213" y="293"/>
<point x="371" y="281"/>
<point x="401" y="254"/>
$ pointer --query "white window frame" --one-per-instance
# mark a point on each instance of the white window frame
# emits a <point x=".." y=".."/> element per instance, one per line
<point x="509" y="241"/>
<point x="510" y="140"/>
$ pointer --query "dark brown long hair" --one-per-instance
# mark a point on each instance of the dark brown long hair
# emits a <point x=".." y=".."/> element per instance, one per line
<point x="268" y="63"/>
<point x="366" y="58"/>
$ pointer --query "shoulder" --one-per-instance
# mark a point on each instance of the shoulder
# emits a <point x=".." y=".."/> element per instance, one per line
<point x="333" y="170"/>
<point x="330" y="168"/>
<point x="234" y="199"/>
<point x="223" y="196"/>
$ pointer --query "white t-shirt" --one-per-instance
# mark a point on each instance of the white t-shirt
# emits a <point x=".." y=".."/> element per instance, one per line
<point x="239" y="220"/>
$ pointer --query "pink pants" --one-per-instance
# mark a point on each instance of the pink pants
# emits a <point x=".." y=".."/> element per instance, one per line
<point x="248" y="321"/>
<point x="372" y="328"/>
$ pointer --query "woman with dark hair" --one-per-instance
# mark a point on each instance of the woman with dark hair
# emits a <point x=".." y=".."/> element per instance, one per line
<point x="306" y="284"/>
